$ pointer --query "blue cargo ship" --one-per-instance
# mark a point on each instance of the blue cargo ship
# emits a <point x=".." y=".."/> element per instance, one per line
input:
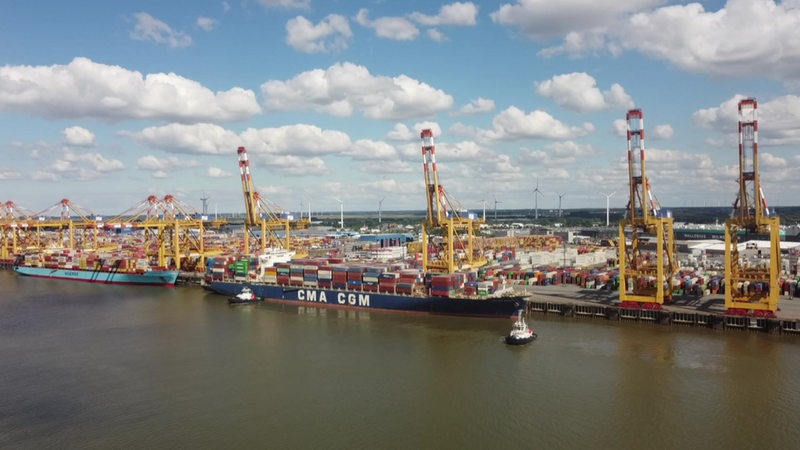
<point x="495" y="306"/>
<point x="111" y="276"/>
<point x="385" y="286"/>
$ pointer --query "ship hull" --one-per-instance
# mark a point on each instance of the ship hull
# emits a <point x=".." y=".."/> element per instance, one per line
<point x="333" y="298"/>
<point x="149" y="278"/>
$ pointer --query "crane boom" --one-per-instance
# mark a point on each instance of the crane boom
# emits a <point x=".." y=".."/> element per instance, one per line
<point x="247" y="188"/>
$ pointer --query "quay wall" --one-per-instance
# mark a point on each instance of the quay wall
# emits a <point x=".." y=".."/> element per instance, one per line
<point x="713" y="321"/>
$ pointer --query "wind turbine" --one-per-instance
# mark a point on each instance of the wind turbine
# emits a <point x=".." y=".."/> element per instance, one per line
<point x="484" y="210"/>
<point x="205" y="199"/>
<point x="495" y="206"/>
<point x="380" y="208"/>
<point x="608" y="199"/>
<point x="341" y="213"/>
<point x="536" y="194"/>
<point x="560" y="196"/>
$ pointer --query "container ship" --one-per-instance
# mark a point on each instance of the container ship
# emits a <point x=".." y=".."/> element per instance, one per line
<point x="332" y="283"/>
<point x="92" y="269"/>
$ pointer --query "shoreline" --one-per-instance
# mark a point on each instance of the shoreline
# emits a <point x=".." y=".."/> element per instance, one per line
<point x="702" y="312"/>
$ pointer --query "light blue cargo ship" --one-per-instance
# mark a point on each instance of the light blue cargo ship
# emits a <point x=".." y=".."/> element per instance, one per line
<point x="112" y="276"/>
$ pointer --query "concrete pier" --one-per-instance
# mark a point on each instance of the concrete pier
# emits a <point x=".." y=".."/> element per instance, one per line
<point x="704" y="312"/>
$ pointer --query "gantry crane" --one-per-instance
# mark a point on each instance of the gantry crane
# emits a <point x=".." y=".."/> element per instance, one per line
<point x="18" y="230"/>
<point x="53" y="227"/>
<point x="645" y="278"/>
<point x="170" y="230"/>
<point x="72" y="217"/>
<point x="258" y="213"/>
<point x="186" y="235"/>
<point x="457" y="230"/>
<point x="751" y="284"/>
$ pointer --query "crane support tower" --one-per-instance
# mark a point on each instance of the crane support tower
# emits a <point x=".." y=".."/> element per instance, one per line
<point x="751" y="281"/>
<point x="645" y="273"/>
<point x="260" y="214"/>
<point x="456" y="227"/>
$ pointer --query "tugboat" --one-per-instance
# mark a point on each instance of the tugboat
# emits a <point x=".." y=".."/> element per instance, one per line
<point x="246" y="295"/>
<point x="520" y="332"/>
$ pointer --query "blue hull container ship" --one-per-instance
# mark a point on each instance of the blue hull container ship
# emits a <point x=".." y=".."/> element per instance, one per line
<point x="148" y="278"/>
<point x="331" y="283"/>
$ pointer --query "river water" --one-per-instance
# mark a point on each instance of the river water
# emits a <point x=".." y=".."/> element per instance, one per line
<point x="94" y="366"/>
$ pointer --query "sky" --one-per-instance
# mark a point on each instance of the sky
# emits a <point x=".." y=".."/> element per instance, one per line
<point x="107" y="103"/>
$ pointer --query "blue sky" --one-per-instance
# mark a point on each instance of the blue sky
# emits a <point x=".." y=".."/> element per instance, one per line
<point x="106" y="103"/>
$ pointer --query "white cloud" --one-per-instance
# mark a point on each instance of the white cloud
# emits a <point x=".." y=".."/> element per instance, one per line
<point x="461" y="151"/>
<point x="515" y="124"/>
<point x="663" y="132"/>
<point x="295" y="165"/>
<point x="10" y="175"/>
<point x="96" y="161"/>
<point x="162" y="167"/>
<point x="427" y="125"/>
<point x="300" y="139"/>
<point x="43" y="175"/>
<point x="151" y="163"/>
<point x="452" y="14"/>
<point x="84" y="88"/>
<point x="216" y="172"/>
<point x="330" y="34"/>
<point x="366" y="149"/>
<point x="78" y="166"/>
<point x="619" y="127"/>
<point x="478" y="106"/>
<point x="732" y="41"/>
<point x="345" y="87"/>
<point x="395" y="28"/>
<point x="778" y="119"/>
<point x="199" y="138"/>
<point x="400" y="132"/>
<point x="78" y="137"/>
<point x="287" y="4"/>
<point x="559" y="154"/>
<point x="436" y="35"/>
<point x="578" y="92"/>
<point x="206" y="23"/>
<point x="148" y="28"/>
<point x="544" y="19"/>
<point x="616" y="97"/>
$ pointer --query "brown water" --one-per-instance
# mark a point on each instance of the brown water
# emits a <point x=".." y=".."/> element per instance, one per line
<point x="93" y="366"/>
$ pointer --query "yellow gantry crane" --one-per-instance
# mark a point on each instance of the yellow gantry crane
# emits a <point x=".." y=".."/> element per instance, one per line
<point x="645" y="276"/>
<point x="751" y="284"/>
<point x="53" y="228"/>
<point x="258" y="213"/>
<point x="19" y="232"/>
<point x="457" y="230"/>
<point x="170" y="230"/>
